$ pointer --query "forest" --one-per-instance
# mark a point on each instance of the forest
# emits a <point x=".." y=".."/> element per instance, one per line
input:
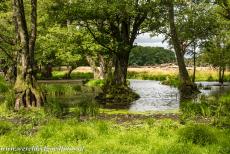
<point x="76" y="77"/>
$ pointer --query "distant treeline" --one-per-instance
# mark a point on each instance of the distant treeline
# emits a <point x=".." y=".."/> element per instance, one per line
<point x="142" y="56"/>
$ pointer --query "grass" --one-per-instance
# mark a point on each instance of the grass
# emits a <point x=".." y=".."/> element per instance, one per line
<point x="102" y="136"/>
<point x="95" y="83"/>
<point x="202" y="74"/>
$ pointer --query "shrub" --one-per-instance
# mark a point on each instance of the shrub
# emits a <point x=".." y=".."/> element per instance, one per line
<point x="3" y="87"/>
<point x="54" y="107"/>
<point x="5" y="127"/>
<point x="95" y="83"/>
<point x="9" y="100"/>
<point x="197" y="134"/>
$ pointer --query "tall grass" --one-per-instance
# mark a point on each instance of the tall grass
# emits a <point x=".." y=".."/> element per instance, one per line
<point x="96" y="136"/>
<point x="162" y="74"/>
<point x="54" y="90"/>
<point x="216" y="108"/>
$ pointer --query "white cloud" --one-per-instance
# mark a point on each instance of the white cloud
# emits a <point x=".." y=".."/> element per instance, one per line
<point x="146" y="40"/>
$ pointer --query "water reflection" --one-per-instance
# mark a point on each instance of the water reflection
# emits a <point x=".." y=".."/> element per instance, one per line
<point x="154" y="96"/>
<point x="157" y="97"/>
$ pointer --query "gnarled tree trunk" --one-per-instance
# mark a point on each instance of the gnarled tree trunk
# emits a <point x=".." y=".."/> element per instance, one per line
<point x="27" y="92"/>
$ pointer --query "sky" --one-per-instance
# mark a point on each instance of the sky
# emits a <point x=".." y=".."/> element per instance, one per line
<point x="146" y="40"/>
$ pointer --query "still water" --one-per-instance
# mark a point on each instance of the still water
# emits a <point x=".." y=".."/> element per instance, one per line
<point x="157" y="97"/>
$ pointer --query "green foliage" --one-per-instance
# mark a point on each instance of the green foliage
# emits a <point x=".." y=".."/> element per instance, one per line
<point x="142" y="56"/>
<point x="9" y="100"/>
<point x="4" y="86"/>
<point x="95" y="83"/>
<point x="197" y="134"/>
<point x="7" y="95"/>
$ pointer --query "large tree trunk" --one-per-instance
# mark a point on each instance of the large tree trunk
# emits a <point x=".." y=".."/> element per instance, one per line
<point x="187" y="87"/>
<point x="26" y="88"/>
<point x="115" y="89"/>
<point x="121" y="66"/>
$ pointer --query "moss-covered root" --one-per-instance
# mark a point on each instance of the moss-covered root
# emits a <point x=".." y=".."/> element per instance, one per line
<point x="117" y="95"/>
<point x="28" y="95"/>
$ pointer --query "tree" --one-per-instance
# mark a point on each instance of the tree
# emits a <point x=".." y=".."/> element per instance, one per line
<point x="26" y="88"/>
<point x="225" y="8"/>
<point x="60" y="46"/>
<point x="187" y="87"/>
<point x="197" y="23"/>
<point x="216" y="49"/>
<point x="114" y="25"/>
<point x="142" y="56"/>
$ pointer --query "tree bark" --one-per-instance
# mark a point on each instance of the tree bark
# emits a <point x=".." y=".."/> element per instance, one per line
<point x="121" y="67"/>
<point x="27" y="91"/>
<point x="93" y="66"/>
<point x="187" y="87"/>
<point x="194" y="64"/>
<point x="106" y="65"/>
<point x="221" y="74"/>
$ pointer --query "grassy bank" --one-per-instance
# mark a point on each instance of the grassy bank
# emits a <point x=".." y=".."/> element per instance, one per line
<point x="112" y="133"/>
<point x="97" y="135"/>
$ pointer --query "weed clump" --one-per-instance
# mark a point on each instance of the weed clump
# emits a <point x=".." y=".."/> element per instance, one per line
<point x="86" y="107"/>
<point x="197" y="134"/>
